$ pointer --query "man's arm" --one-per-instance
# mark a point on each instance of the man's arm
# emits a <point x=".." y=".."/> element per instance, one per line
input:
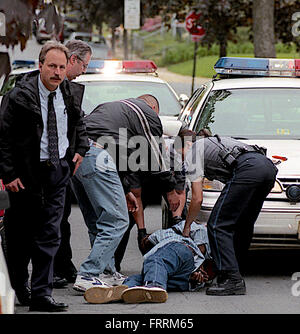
<point x="195" y="205"/>
<point x="7" y="169"/>
<point x="81" y="142"/>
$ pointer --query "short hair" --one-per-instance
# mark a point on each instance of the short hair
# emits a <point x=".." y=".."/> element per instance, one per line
<point x="183" y="136"/>
<point x="204" y="133"/>
<point x="52" y="45"/>
<point x="150" y="100"/>
<point x="79" y="48"/>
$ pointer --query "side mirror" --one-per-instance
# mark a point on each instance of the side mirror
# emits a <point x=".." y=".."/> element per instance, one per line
<point x="183" y="98"/>
<point x="171" y="127"/>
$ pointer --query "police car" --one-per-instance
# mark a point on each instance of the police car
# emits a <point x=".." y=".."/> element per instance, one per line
<point x="111" y="80"/>
<point x="256" y="101"/>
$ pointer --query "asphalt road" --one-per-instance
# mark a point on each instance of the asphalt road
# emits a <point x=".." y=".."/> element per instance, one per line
<point x="269" y="284"/>
<point x="270" y="288"/>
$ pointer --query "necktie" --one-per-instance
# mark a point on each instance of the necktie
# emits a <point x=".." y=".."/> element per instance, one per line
<point x="52" y="132"/>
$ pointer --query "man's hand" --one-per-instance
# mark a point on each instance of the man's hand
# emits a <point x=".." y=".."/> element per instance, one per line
<point x="132" y="203"/>
<point x="186" y="231"/>
<point x="173" y="199"/>
<point x="14" y="186"/>
<point x="77" y="161"/>
<point x="199" y="276"/>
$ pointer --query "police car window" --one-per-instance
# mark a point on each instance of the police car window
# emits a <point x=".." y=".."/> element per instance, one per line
<point x="252" y="113"/>
<point x="192" y="104"/>
<point x="107" y="91"/>
<point x="8" y="85"/>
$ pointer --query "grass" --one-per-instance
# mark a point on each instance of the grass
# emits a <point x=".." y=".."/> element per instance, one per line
<point x="168" y="52"/>
<point x="205" y="65"/>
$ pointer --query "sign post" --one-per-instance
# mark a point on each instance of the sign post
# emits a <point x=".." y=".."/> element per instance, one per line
<point x="131" y="21"/>
<point x="131" y="14"/>
<point x="197" y="33"/>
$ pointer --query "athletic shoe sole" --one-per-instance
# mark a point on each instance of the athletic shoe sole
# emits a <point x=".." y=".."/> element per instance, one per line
<point x="144" y="295"/>
<point x="101" y="295"/>
<point x="79" y="288"/>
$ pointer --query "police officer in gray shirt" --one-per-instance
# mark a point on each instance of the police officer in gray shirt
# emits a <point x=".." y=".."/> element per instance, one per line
<point x="248" y="176"/>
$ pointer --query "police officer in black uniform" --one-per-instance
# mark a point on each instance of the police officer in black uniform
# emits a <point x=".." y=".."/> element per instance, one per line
<point x="248" y="176"/>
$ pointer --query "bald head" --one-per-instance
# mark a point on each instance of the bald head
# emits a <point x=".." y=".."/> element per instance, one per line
<point x="151" y="101"/>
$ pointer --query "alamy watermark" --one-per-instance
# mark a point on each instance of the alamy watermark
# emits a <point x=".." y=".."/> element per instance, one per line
<point x="2" y="24"/>
<point x="137" y="153"/>
<point x="295" y="289"/>
<point x="296" y="25"/>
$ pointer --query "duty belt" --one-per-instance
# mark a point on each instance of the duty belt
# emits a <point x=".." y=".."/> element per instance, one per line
<point x="238" y="151"/>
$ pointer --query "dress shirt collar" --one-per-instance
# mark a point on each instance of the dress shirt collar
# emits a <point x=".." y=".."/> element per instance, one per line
<point x="44" y="91"/>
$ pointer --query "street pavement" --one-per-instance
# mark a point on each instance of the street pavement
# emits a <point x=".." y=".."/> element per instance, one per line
<point x="269" y="283"/>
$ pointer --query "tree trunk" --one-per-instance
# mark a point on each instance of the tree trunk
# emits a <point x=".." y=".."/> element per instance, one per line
<point x="223" y="47"/>
<point x="125" y="43"/>
<point x="113" y="42"/>
<point x="263" y="28"/>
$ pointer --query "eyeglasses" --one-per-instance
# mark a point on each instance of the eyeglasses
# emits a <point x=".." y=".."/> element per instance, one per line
<point x="84" y="65"/>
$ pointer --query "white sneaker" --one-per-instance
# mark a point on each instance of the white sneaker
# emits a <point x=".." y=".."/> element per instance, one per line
<point x="83" y="283"/>
<point x="113" y="279"/>
<point x="143" y="294"/>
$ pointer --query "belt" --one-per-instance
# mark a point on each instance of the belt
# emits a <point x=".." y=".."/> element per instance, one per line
<point x="250" y="149"/>
<point x="48" y="163"/>
<point x="95" y="144"/>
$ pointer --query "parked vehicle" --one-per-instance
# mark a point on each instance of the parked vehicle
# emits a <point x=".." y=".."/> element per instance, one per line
<point x="98" y="43"/>
<point x="256" y="101"/>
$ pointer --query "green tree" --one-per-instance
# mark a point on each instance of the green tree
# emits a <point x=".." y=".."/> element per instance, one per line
<point x="287" y="21"/>
<point x="220" y="20"/>
<point x="18" y="20"/>
<point x="263" y="28"/>
<point x="96" y="12"/>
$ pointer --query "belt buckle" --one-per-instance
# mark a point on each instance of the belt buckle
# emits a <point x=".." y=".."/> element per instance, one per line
<point x="49" y="163"/>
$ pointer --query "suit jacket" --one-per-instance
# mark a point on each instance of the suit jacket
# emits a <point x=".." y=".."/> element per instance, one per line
<point x="21" y="128"/>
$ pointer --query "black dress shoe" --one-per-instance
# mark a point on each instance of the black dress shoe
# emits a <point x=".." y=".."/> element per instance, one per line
<point x="46" y="304"/>
<point x="24" y="296"/>
<point x="59" y="282"/>
<point x="227" y="287"/>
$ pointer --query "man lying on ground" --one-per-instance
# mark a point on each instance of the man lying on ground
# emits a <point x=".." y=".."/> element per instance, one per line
<point x="171" y="263"/>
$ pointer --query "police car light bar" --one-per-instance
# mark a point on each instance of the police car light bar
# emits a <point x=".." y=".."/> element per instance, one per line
<point x="272" y="67"/>
<point x="23" y="63"/>
<point x="117" y="66"/>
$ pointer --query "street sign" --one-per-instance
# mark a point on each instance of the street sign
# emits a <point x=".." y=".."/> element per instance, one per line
<point x="196" y="31"/>
<point x="132" y="14"/>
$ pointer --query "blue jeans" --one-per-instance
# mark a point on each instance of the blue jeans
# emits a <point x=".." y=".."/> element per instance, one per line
<point x="102" y="202"/>
<point x="169" y="267"/>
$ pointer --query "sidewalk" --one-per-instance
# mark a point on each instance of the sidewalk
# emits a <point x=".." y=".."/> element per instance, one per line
<point x="164" y="73"/>
<point x="168" y="76"/>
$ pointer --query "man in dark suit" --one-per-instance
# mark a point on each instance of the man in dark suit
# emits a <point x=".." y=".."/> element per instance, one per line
<point x="37" y="136"/>
<point x="64" y="270"/>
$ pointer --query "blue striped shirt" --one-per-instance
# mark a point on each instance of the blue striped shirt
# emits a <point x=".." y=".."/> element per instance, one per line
<point x="61" y="121"/>
<point x="198" y="236"/>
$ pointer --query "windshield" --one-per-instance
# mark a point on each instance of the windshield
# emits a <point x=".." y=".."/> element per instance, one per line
<point x="268" y="113"/>
<point x="107" y="91"/>
<point x="8" y="85"/>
